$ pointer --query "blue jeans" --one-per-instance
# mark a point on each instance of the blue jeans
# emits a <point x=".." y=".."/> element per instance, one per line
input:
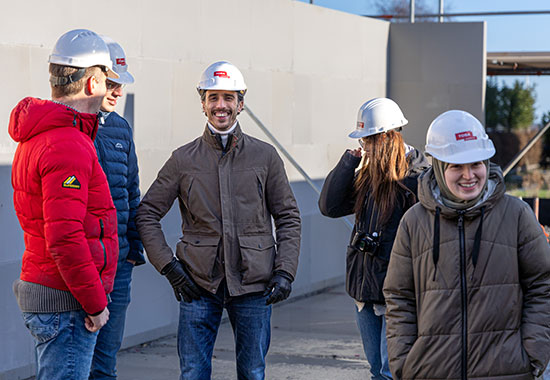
<point x="373" y="335"/>
<point x="110" y="336"/>
<point x="199" y="321"/>
<point x="546" y="374"/>
<point x="63" y="346"/>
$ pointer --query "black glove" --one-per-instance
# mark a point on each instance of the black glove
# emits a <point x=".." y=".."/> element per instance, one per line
<point x="279" y="287"/>
<point x="183" y="284"/>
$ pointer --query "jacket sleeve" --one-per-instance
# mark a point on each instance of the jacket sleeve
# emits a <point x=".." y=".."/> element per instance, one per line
<point x="136" y="247"/>
<point x="337" y="196"/>
<point x="286" y="215"/>
<point x="399" y="292"/>
<point x="65" y="208"/>
<point x="155" y="204"/>
<point x="534" y="275"/>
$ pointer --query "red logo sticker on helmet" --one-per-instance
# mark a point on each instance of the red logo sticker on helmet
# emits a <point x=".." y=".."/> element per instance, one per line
<point x="466" y="136"/>
<point x="221" y="74"/>
<point x="360" y="125"/>
<point x="121" y="61"/>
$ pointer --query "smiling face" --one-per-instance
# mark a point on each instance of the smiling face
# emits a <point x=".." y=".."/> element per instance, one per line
<point x="114" y="91"/>
<point x="221" y="108"/>
<point x="466" y="181"/>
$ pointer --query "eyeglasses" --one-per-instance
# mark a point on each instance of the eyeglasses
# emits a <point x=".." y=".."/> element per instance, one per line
<point x="113" y="85"/>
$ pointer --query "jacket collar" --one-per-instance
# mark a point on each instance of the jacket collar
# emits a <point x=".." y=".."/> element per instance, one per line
<point x="211" y="138"/>
<point x="33" y="116"/>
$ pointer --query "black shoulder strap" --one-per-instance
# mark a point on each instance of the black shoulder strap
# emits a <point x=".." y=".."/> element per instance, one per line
<point x="409" y="197"/>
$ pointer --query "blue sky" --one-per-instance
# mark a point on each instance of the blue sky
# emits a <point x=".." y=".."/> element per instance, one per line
<point x="504" y="33"/>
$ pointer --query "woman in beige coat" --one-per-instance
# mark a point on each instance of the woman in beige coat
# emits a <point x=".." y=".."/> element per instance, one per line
<point x="468" y="284"/>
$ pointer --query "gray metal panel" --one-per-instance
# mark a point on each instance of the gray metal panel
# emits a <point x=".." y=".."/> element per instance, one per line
<point x="435" y="68"/>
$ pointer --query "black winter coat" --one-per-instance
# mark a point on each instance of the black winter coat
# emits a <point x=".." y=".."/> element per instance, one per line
<point x="365" y="273"/>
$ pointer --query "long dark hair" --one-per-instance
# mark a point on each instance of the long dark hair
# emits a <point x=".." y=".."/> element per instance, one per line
<point x="381" y="173"/>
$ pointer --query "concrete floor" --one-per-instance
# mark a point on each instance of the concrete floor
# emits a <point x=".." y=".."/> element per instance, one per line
<point x="312" y="338"/>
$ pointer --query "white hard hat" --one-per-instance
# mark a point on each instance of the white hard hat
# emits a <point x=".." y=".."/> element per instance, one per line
<point x="82" y="48"/>
<point x="118" y="58"/>
<point x="376" y="116"/>
<point x="222" y="75"/>
<point x="457" y="137"/>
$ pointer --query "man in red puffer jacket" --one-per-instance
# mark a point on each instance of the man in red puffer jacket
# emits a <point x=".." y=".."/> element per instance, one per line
<point x="64" y="206"/>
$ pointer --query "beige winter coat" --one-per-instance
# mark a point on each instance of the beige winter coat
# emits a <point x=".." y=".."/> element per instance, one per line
<point x="226" y="202"/>
<point x="450" y="319"/>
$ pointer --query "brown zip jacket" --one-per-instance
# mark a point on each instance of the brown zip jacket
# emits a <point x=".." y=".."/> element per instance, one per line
<point x="457" y="311"/>
<point x="226" y="198"/>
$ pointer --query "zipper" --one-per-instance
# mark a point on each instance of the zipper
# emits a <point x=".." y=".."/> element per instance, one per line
<point x="100" y="152"/>
<point x="101" y="234"/>
<point x="463" y="295"/>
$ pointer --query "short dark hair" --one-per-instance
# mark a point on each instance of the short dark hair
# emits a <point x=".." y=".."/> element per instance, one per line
<point x="240" y="95"/>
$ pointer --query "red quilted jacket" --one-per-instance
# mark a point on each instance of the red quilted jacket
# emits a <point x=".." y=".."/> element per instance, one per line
<point x="63" y="202"/>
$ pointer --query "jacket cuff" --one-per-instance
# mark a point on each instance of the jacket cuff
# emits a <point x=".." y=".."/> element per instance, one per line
<point x="349" y="159"/>
<point x="96" y="314"/>
<point x="537" y="372"/>
<point x="169" y="267"/>
<point x="97" y="308"/>
<point x="138" y="257"/>
<point x="284" y="274"/>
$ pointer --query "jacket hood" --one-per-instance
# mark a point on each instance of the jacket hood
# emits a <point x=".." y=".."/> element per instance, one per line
<point x="417" y="161"/>
<point x="430" y="197"/>
<point x="32" y="116"/>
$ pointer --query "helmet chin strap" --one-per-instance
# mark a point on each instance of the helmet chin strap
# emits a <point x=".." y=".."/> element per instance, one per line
<point x="62" y="81"/>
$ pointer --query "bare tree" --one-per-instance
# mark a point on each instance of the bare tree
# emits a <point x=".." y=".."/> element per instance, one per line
<point x="402" y="8"/>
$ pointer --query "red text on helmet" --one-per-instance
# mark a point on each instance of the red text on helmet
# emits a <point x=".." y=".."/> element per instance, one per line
<point x="221" y="74"/>
<point x="466" y="136"/>
<point x="121" y="61"/>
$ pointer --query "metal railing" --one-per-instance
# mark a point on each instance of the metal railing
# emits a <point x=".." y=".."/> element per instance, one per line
<point x="288" y="156"/>
<point x="513" y="162"/>
<point x="460" y="14"/>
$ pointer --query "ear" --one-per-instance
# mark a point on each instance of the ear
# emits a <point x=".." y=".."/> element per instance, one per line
<point x="91" y="84"/>
<point x="240" y="107"/>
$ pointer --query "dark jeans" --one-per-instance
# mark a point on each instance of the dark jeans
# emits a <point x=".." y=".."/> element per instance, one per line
<point x="198" y="327"/>
<point x="110" y="336"/>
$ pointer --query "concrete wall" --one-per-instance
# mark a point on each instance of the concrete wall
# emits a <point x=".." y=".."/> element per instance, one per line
<point x="434" y="68"/>
<point x="308" y="69"/>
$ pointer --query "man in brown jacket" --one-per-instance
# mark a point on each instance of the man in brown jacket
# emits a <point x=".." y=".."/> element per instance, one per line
<point x="229" y="186"/>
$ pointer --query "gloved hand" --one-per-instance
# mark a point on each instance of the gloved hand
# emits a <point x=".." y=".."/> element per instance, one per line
<point x="279" y="287"/>
<point x="183" y="284"/>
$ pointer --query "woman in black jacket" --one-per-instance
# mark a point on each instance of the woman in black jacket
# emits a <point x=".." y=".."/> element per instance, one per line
<point x="378" y="194"/>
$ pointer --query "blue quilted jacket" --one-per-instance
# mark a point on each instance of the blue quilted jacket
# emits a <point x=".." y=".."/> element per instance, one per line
<point x="117" y="156"/>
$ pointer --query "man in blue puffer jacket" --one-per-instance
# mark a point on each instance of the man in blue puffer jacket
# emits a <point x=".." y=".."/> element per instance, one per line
<point x="116" y="153"/>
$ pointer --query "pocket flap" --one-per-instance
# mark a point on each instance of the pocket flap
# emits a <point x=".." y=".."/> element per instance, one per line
<point x="257" y="242"/>
<point x="201" y="240"/>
